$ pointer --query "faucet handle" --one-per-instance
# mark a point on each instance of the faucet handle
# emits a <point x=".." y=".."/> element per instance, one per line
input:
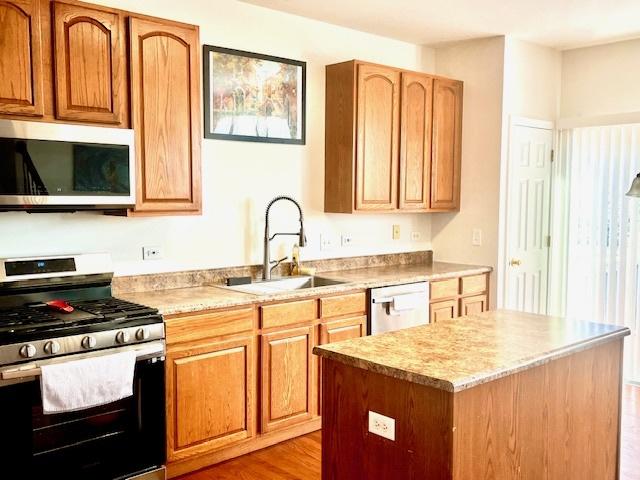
<point x="275" y="263"/>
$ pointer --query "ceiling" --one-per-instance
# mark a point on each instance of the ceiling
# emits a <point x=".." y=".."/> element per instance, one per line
<point x="560" y="24"/>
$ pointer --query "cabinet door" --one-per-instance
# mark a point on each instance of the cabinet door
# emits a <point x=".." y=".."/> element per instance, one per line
<point x="445" y="310"/>
<point x="165" y="102"/>
<point x="343" y="330"/>
<point x="210" y="392"/>
<point x="473" y="305"/>
<point x="89" y="55"/>
<point x="21" y="83"/>
<point x="377" y="138"/>
<point x="446" y="150"/>
<point x="288" y="383"/>
<point x="415" y="141"/>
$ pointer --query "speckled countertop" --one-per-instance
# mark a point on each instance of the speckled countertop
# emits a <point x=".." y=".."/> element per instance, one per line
<point x="454" y="355"/>
<point x="193" y="299"/>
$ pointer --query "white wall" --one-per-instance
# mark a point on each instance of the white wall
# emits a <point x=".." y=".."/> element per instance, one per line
<point x="601" y="80"/>
<point x="479" y="64"/>
<point x="240" y="178"/>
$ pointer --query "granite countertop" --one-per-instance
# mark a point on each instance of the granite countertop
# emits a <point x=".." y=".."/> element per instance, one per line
<point x="457" y="354"/>
<point x="194" y="299"/>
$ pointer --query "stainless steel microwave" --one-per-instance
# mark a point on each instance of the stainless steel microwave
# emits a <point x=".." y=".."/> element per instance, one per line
<point x="51" y="166"/>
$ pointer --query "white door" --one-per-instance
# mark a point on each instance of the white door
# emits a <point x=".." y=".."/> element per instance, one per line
<point x="528" y="207"/>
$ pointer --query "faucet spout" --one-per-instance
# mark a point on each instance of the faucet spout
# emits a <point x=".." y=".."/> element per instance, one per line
<point x="302" y="239"/>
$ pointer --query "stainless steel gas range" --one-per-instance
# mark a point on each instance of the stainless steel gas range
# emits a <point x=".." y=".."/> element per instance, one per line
<point x="58" y="309"/>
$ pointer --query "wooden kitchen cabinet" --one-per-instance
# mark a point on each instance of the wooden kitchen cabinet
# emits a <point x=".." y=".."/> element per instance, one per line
<point x="165" y="104"/>
<point x="89" y="56"/>
<point x="473" y="305"/>
<point x="22" y="84"/>
<point x="210" y="392"/>
<point x="392" y="140"/>
<point x="344" y="329"/>
<point x="444" y="310"/>
<point x="447" y="144"/>
<point x="458" y="297"/>
<point x="415" y="141"/>
<point x="288" y="384"/>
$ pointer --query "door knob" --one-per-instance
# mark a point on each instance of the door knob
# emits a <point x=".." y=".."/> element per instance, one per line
<point x="515" y="262"/>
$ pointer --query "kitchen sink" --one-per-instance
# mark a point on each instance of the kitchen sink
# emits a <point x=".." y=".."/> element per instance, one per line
<point x="284" y="284"/>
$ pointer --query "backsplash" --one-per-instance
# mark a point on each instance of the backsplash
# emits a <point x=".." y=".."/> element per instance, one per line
<point x="194" y="278"/>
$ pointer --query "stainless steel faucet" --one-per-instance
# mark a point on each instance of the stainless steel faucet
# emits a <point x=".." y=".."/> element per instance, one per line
<point x="302" y="240"/>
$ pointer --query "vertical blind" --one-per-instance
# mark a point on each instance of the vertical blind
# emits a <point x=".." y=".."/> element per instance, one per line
<point x="596" y="261"/>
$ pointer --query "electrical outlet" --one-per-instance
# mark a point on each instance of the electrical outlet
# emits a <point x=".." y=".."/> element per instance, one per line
<point x="326" y="242"/>
<point x="381" y="425"/>
<point x="476" y="237"/>
<point x="415" y="236"/>
<point x="151" y="253"/>
<point x="346" y="239"/>
<point x="396" y="232"/>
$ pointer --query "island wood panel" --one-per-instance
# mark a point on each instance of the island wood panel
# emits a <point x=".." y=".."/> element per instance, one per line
<point x="377" y="127"/>
<point x="165" y="89"/>
<point x="210" y="396"/>
<point x="22" y="85"/>
<point x="447" y="144"/>
<point x="559" y="420"/>
<point x="415" y="141"/>
<point x="288" y="383"/>
<point x="89" y="56"/>
<point x="340" y="111"/>
<point x="422" y="449"/>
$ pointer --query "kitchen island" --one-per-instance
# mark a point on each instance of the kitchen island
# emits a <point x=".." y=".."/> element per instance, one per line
<point x="499" y="395"/>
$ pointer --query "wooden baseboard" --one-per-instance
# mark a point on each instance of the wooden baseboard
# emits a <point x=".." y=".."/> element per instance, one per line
<point x="175" y="469"/>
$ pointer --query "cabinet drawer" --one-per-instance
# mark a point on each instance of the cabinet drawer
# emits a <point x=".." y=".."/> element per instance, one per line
<point x="289" y="313"/>
<point x="343" y="305"/>
<point x="443" y="289"/>
<point x="346" y="329"/>
<point x="207" y="325"/>
<point x="474" y="284"/>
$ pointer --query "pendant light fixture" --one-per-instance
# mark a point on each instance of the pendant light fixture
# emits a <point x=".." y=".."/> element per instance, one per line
<point x="634" y="191"/>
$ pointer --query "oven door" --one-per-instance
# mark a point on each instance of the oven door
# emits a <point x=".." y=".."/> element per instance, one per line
<point x="115" y="441"/>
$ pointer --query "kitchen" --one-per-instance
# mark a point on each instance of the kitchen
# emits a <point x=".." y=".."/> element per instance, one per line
<point x="195" y="230"/>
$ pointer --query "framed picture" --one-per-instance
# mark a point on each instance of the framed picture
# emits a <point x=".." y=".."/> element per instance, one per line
<point x="253" y="97"/>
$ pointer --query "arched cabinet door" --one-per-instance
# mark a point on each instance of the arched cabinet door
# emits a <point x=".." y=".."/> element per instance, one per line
<point x="165" y="103"/>
<point x="447" y="144"/>
<point x="377" y="138"/>
<point x="21" y="83"/>
<point x="89" y="52"/>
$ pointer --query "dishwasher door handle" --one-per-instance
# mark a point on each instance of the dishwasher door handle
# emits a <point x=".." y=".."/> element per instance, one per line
<point x="382" y="300"/>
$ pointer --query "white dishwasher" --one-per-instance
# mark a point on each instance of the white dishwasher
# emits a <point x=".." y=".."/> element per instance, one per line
<point x="399" y="306"/>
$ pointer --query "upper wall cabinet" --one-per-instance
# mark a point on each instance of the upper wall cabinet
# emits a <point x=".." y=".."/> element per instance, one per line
<point x="21" y="83"/>
<point x="392" y="140"/>
<point x="165" y="104"/>
<point x="447" y="129"/>
<point x="89" y="56"/>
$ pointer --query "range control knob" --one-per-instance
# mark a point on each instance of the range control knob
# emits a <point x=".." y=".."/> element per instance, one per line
<point x="143" y="334"/>
<point x="51" y="348"/>
<point x="88" y="342"/>
<point x="123" y="337"/>
<point x="27" y="351"/>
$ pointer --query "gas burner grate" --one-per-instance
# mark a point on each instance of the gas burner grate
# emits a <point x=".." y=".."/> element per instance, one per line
<point x="20" y="316"/>
<point x="111" y="308"/>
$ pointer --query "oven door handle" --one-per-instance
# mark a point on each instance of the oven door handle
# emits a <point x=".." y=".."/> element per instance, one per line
<point x="153" y="350"/>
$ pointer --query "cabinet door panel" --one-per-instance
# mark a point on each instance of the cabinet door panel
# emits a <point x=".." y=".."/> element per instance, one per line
<point x="447" y="138"/>
<point x="89" y="63"/>
<point x="287" y="378"/>
<point x="377" y="138"/>
<point x="21" y="83"/>
<point x="209" y="396"/>
<point x="166" y="115"/>
<point x="445" y="310"/>
<point x="339" y="330"/>
<point x="415" y="141"/>
<point x="473" y="305"/>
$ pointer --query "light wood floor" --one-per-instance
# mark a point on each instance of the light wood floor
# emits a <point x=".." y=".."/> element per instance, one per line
<point x="299" y="459"/>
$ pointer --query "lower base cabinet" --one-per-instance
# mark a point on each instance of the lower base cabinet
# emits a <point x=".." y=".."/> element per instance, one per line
<point x="458" y="297"/>
<point x="210" y="387"/>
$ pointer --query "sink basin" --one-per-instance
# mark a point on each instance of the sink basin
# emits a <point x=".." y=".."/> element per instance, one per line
<point x="284" y="284"/>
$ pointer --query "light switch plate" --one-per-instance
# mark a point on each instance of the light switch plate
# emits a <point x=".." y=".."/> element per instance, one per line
<point x="381" y="425"/>
<point x="476" y="238"/>
<point x="396" y="232"/>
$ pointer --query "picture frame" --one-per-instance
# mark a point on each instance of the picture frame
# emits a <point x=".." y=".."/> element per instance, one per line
<point x="253" y="97"/>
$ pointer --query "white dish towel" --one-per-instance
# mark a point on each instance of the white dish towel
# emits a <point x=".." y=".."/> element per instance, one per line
<point x="408" y="301"/>
<point x="86" y="383"/>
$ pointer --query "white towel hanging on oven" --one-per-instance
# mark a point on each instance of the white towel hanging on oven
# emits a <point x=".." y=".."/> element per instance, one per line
<point x="86" y="383"/>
